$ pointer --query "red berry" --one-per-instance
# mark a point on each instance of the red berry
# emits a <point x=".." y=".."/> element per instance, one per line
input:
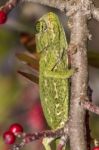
<point x="16" y="128"/>
<point x="9" y="137"/>
<point x="96" y="148"/>
<point x="3" y="17"/>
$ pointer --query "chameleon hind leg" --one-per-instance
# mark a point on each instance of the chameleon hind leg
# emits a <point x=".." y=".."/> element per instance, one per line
<point x="62" y="142"/>
<point x="46" y="143"/>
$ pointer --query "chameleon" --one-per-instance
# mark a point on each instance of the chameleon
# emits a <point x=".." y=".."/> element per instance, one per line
<point x="54" y="72"/>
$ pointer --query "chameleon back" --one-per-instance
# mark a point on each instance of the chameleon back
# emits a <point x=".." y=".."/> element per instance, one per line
<point x="51" y="44"/>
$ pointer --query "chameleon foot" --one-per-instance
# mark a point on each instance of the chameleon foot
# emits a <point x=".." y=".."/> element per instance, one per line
<point x="46" y="143"/>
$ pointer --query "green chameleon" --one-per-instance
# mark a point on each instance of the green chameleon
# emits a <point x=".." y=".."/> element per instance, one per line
<point x="54" y="73"/>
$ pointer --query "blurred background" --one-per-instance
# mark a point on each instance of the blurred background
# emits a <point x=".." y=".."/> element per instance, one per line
<point x="19" y="97"/>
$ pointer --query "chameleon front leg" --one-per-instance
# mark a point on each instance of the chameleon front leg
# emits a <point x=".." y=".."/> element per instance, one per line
<point x="63" y="74"/>
<point x="46" y="143"/>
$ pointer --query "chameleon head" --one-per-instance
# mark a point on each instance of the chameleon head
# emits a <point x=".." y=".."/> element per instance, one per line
<point x="47" y="31"/>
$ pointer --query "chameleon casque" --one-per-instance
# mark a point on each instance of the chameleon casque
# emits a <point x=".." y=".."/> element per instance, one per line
<point x="53" y="67"/>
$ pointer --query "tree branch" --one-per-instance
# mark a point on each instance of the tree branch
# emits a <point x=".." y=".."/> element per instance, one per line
<point x="62" y="5"/>
<point x="79" y="81"/>
<point x="59" y="4"/>
<point x="27" y="138"/>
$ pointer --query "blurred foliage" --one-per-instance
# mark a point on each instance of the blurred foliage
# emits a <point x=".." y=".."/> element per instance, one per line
<point x="9" y="92"/>
<point x="7" y="41"/>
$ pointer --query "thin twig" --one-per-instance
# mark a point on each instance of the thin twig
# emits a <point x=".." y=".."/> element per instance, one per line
<point x="59" y="4"/>
<point x="79" y="81"/>
<point x="9" y="5"/>
<point x="27" y="138"/>
<point x="91" y="107"/>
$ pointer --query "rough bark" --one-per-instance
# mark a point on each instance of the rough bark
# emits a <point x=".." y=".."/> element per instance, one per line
<point x="79" y="83"/>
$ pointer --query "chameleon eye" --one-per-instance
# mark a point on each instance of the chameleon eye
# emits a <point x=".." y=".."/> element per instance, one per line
<point x="40" y="26"/>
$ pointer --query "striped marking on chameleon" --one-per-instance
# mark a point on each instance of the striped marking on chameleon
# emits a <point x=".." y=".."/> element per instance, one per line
<point x="62" y="123"/>
<point x="50" y="23"/>
<point x="46" y="100"/>
<point x="45" y="59"/>
<point x="58" y="113"/>
<point x="53" y="35"/>
<point x="57" y="56"/>
<point x="56" y="92"/>
<point x="51" y="120"/>
<point x="45" y="83"/>
<point x="57" y="105"/>
<point x="49" y="111"/>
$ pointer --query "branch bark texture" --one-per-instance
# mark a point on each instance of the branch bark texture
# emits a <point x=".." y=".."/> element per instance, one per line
<point x="79" y="82"/>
